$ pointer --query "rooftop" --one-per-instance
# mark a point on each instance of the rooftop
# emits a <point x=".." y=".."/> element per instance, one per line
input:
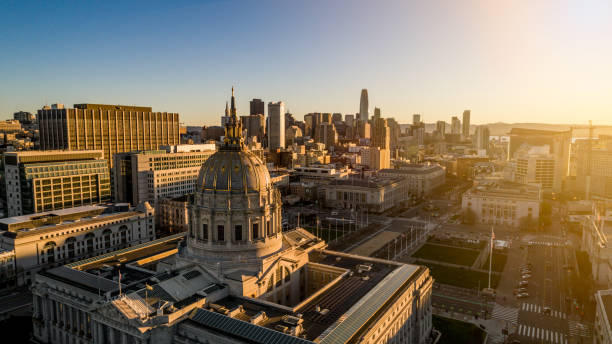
<point x="413" y="169"/>
<point x="366" y="182"/>
<point x="51" y="221"/>
<point x="503" y="188"/>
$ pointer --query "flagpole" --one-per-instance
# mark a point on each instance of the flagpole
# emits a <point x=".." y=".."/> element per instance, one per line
<point x="119" y="283"/>
<point x="491" y="256"/>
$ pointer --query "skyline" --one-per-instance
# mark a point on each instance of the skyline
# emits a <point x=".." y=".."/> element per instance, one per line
<point x="544" y="63"/>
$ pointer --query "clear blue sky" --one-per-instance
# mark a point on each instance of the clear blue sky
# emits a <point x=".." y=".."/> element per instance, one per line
<point x="512" y="61"/>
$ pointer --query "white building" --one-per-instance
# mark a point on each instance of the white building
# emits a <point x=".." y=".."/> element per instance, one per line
<point x="537" y="166"/>
<point x="146" y="176"/>
<point x="498" y="202"/>
<point x="58" y="237"/>
<point x="276" y="125"/>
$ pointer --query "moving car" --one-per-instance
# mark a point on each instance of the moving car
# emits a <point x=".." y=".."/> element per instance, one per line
<point x="522" y="295"/>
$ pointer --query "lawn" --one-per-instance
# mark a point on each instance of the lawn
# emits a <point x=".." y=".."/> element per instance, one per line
<point x="460" y="277"/>
<point x="499" y="262"/>
<point x="454" y="255"/>
<point x="454" y="331"/>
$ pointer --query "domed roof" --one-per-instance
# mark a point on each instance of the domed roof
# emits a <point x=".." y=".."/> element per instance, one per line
<point x="236" y="171"/>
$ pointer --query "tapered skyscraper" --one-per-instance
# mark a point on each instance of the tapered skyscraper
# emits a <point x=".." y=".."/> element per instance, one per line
<point x="363" y="105"/>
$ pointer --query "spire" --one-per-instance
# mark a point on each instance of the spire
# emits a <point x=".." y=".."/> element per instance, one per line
<point x="233" y="128"/>
<point x="233" y="103"/>
<point x="227" y="112"/>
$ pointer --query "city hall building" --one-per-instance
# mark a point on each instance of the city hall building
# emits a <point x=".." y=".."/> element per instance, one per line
<point x="234" y="277"/>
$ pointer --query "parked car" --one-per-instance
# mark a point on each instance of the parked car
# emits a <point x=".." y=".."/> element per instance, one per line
<point x="547" y="310"/>
<point x="522" y="295"/>
<point x="523" y="283"/>
<point x="526" y="276"/>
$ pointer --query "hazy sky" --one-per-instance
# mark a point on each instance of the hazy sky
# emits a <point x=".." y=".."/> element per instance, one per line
<point x="512" y="61"/>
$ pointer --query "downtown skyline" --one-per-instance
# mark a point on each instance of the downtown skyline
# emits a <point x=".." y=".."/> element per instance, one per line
<point x="510" y="63"/>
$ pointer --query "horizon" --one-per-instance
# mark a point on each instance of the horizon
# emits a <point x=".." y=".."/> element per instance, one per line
<point x="518" y="60"/>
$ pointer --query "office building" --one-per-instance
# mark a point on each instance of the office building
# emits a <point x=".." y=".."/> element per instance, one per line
<point x="336" y="117"/>
<point x="276" y="125"/>
<point x="363" y="129"/>
<point x="441" y="128"/>
<point x="381" y="133"/>
<point x="255" y="126"/>
<point x="481" y="139"/>
<point x="257" y="107"/>
<point x="499" y="202"/>
<point x="24" y="117"/>
<point x="349" y="120"/>
<point x="326" y="134"/>
<point x="558" y="141"/>
<point x="235" y="278"/>
<point x="416" y="119"/>
<point x="535" y="165"/>
<point x="110" y="128"/>
<point x="57" y="237"/>
<point x="292" y="134"/>
<point x="455" y="126"/>
<point x="594" y="168"/>
<point x="364" y="105"/>
<point x="465" y="131"/>
<point x="376" y="158"/>
<point x="146" y="176"/>
<point x="38" y="181"/>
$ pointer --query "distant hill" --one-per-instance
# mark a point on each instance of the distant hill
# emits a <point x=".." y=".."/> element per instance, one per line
<point x="501" y="128"/>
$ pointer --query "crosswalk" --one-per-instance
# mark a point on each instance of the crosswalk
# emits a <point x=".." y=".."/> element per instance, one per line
<point x="509" y="314"/>
<point x="530" y="307"/>
<point x="545" y="243"/>
<point x="578" y="329"/>
<point x="541" y="335"/>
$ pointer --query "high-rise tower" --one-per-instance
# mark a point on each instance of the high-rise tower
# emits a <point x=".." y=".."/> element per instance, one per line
<point x="466" y="124"/>
<point x="363" y="105"/>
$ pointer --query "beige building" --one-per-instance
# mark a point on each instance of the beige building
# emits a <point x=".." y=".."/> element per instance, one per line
<point x="498" y="202"/>
<point x="421" y="179"/>
<point x="151" y="175"/>
<point x="38" y="181"/>
<point x="536" y="165"/>
<point x="58" y="237"/>
<point x="10" y="126"/>
<point x="235" y="278"/>
<point x="110" y="128"/>
<point x="374" y="194"/>
<point x="376" y="158"/>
